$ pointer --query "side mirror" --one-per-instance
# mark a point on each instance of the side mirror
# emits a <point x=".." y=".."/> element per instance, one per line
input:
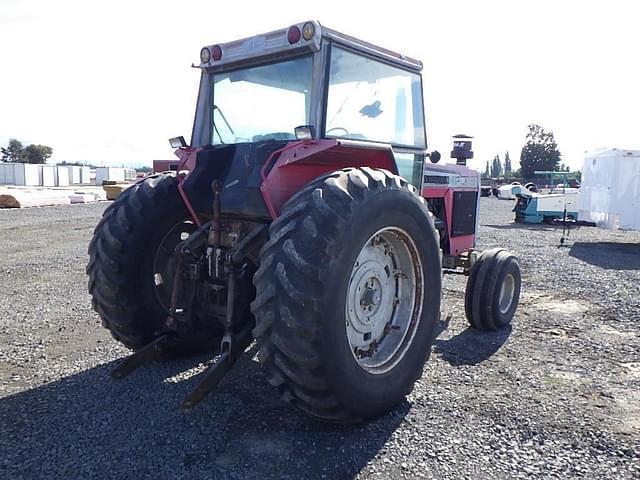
<point x="434" y="156"/>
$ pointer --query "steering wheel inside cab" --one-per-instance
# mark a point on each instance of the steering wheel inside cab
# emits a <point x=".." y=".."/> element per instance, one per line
<point x="277" y="136"/>
<point x="338" y="132"/>
<point x="341" y="132"/>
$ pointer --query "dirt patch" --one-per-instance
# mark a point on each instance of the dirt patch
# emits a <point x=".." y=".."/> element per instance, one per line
<point x="627" y="406"/>
<point x="561" y="306"/>
<point x="633" y="369"/>
<point x="613" y="333"/>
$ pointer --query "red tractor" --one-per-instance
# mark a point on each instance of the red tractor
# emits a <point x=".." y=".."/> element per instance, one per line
<point x="304" y="215"/>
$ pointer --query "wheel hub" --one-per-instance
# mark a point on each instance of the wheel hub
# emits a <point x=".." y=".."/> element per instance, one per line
<point x="369" y="292"/>
<point x="371" y="296"/>
<point x="507" y="294"/>
<point x="381" y="298"/>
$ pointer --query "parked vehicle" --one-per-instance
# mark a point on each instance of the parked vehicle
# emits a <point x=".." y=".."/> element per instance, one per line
<point x="306" y="216"/>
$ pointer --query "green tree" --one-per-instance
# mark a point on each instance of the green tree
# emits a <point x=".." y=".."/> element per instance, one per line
<point x="37" y="153"/>
<point x="14" y="151"/>
<point x="507" y="165"/>
<point x="540" y="152"/>
<point x="487" y="172"/>
<point x="496" y="167"/>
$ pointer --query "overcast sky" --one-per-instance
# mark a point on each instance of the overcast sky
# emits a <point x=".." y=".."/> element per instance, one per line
<point x="109" y="82"/>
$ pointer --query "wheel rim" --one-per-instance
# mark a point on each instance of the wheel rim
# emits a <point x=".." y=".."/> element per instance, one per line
<point x="164" y="261"/>
<point x="507" y="292"/>
<point x="384" y="300"/>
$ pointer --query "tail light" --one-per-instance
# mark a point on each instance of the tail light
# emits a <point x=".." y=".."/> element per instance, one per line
<point x="293" y="35"/>
<point x="216" y="53"/>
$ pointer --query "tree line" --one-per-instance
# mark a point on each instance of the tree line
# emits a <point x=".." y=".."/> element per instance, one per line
<point x="496" y="169"/>
<point x="16" y="152"/>
<point x="540" y="152"/>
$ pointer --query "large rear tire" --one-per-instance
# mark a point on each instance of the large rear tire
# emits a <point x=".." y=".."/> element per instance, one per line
<point x="131" y="264"/>
<point x="348" y="295"/>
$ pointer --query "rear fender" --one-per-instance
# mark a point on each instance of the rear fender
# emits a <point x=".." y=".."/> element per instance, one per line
<point x="298" y="163"/>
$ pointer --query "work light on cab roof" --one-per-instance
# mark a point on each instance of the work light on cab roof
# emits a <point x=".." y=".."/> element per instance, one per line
<point x="303" y="214"/>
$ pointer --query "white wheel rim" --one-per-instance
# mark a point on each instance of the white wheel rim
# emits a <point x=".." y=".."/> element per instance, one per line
<point x="507" y="292"/>
<point x="384" y="300"/>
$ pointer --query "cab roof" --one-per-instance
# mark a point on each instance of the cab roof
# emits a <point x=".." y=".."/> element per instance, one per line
<point x="301" y="37"/>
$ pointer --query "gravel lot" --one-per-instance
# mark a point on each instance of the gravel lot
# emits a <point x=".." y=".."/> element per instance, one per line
<point x="556" y="396"/>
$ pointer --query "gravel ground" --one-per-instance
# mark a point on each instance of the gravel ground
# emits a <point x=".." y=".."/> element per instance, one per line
<point x="556" y="396"/>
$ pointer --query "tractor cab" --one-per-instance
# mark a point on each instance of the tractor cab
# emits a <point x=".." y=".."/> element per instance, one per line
<point x="311" y="82"/>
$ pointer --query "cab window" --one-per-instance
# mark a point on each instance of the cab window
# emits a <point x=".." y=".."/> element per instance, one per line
<point x="372" y="101"/>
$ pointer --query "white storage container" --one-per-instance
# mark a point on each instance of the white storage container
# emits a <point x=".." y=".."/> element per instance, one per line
<point x="75" y="175"/>
<point x="31" y="174"/>
<point x="130" y="174"/>
<point x="21" y="174"/>
<point x="7" y="174"/>
<point x="109" y="173"/>
<point x="85" y="175"/>
<point x="48" y="175"/>
<point x="62" y="176"/>
<point x="610" y="189"/>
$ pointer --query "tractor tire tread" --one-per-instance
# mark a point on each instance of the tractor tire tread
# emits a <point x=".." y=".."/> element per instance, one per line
<point x="113" y="245"/>
<point x="289" y="280"/>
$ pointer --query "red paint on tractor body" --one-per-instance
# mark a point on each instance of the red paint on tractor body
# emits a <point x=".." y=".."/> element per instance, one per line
<point x="468" y="179"/>
<point x="290" y="168"/>
<point x="301" y="162"/>
<point x="460" y="244"/>
<point x="187" y="156"/>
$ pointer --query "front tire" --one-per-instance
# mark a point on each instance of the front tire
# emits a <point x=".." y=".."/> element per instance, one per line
<point x="320" y="308"/>
<point x="493" y="290"/>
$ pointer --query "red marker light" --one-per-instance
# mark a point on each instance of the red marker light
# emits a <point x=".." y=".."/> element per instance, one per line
<point x="216" y="53"/>
<point x="293" y="35"/>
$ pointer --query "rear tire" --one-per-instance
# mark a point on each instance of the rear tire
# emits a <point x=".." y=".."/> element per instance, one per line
<point x="493" y="290"/>
<point x="303" y="309"/>
<point x="123" y="261"/>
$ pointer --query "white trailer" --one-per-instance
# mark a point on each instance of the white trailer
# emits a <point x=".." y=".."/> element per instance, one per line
<point x="610" y="191"/>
